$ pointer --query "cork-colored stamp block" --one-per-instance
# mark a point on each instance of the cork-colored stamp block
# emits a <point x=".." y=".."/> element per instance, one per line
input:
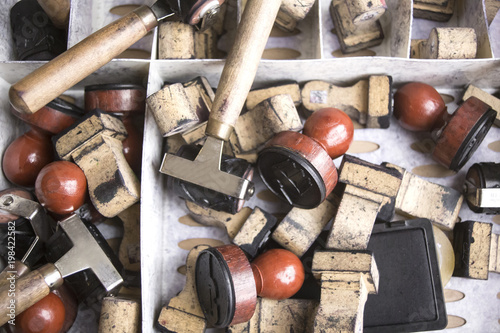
<point x="79" y="134"/>
<point x="130" y="247"/>
<point x="420" y="198"/>
<point x="354" y="37"/>
<point x="210" y="217"/>
<point x="95" y="146"/>
<point x="291" y="12"/>
<point x="494" y="254"/>
<point x="347" y="261"/>
<point x="255" y="231"/>
<point x="447" y="43"/>
<point x="482" y="95"/>
<point x="341" y="308"/>
<point x="177" y="40"/>
<point x="120" y="315"/>
<point x="269" y="117"/>
<point x="472" y="244"/>
<point x="183" y="312"/>
<point x="200" y="95"/>
<point x="301" y="227"/>
<point x="356" y="215"/>
<point x="172" y="109"/>
<point x="368" y="101"/>
<point x="381" y="179"/>
<point x="256" y="96"/>
<point x="288" y="315"/>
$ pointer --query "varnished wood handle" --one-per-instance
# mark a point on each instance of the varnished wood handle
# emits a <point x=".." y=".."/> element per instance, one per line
<point x="52" y="79"/>
<point x="8" y="273"/>
<point x="27" y="291"/>
<point x="243" y="60"/>
<point x="57" y="11"/>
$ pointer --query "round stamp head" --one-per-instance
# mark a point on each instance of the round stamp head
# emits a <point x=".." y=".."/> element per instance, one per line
<point x="297" y="169"/>
<point x="463" y="133"/>
<point x="225" y="286"/>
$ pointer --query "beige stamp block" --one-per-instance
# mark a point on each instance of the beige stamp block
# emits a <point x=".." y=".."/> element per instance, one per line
<point x="183" y="312"/>
<point x="482" y="95"/>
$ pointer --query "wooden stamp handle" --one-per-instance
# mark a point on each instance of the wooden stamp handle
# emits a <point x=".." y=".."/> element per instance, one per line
<point x="243" y="60"/>
<point x="28" y="290"/>
<point x="57" y="11"/>
<point x="52" y="79"/>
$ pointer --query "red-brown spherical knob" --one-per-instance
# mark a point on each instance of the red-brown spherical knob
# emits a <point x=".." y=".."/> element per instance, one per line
<point x="332" y="128"/>
<point x="26" y="156"/>
<point x="46" y="316"/>
<point x="278" y="274"/>
<point x="419" y="107"/>
<point x="61" y="187"/>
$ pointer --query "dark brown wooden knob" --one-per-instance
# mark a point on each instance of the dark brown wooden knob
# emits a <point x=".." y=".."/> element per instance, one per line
<point x="278" y="274"/>
<point x="299" y="167"/>
<point x="332" y="128"/>
<point x="115" y="98"/>
<point x="61" y="187"/>
<point x="52" y="118"/>
<point x="46" y="316"/>
<point x="26" y="156"/>
<point x="419" y="107"/>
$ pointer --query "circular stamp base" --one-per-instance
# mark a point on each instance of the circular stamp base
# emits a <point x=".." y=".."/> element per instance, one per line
<point x="225" y="286"/>
<point x="463" y="133"/>
<point x="297" y="169"/>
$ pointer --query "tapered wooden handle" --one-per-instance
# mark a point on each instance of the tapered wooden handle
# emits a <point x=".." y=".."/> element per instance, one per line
<point x="15" y="298"/>
<point x="57" y="11"/>
<point x="13" y="272"/>
<point x="243" y="59"/>
<point x="52" y="79"/>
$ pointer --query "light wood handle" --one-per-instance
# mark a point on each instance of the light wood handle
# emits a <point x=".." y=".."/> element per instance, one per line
<point x="243" y="60"/>
<point x="18" y="270"/>
<point x="52" y="79"/>
<point x="57" y="11"/>
<point x="28" y="290"/>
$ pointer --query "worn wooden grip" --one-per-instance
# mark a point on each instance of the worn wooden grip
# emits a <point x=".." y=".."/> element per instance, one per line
<point x="52" y="79"/>
<point x="243" y="60"/>
<point x="57" y="11"/>
<point x="27" y="291"/>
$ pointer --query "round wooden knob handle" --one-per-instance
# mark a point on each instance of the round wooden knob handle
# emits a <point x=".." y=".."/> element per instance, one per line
<point x="120" y="99"/>
<point x="45" y="316"/>
<point x="53" y="117"/>
<point x="332" y="128"/>
<point x="278" y="274"/>
<point x="26" y="156"/>
<point x="419" y="107"/>
<point x="61" y="187"/>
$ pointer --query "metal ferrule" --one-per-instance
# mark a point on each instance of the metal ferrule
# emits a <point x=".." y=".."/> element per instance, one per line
<point x="51" y="275"/>
<point x="218" y="129"/>
<point x="147" y="16"/>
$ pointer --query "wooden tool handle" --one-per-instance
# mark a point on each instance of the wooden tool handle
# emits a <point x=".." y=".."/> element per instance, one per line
<point x="52" y="79"/>
<point x="242" y="62"/>
<point x="8" y="273"/>
<point x="57" y="11"/>
<point x="15" y="298"/>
